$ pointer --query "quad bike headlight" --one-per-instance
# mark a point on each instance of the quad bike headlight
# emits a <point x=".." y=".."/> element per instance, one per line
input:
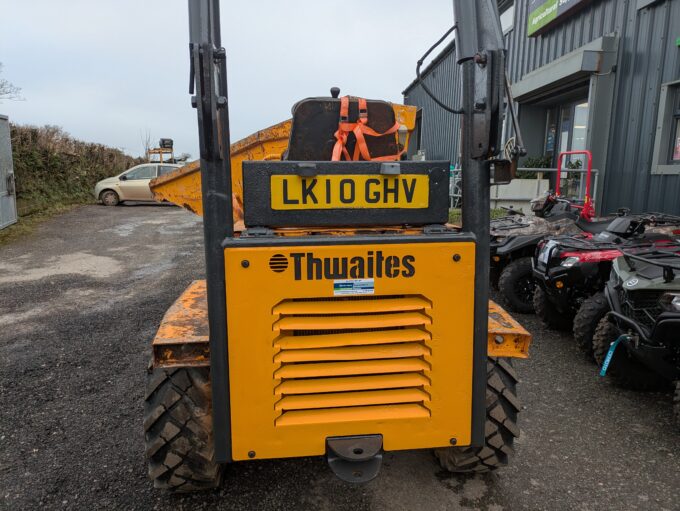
<point x="568" y="262"/>
<point x="670" y="302"/>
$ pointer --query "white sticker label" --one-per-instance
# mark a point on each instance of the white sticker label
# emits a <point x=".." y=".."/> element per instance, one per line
<point x="353" y="287"/>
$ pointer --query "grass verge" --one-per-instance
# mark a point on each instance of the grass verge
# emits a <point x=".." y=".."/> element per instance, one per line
<point x="456" y="215"/>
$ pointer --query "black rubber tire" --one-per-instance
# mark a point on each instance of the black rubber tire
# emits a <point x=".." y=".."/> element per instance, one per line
<point x="516" y="285"/>
<point x="624" y="370"/>
<point x="676" y="406"/>
<point x="502" y="407"/>
<point x="586" y="320"/>
<point x="109" y="198"/>
<point x="548" y="313"/>
<point x="178" y="430"/>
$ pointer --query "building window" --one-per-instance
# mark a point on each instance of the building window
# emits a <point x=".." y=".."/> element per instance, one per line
<point x="666" y="159"/>
<point x="507" y="17"/>
<point x="675" y="126"/>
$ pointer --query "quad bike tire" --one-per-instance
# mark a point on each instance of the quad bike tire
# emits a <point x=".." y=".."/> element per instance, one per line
<point x="502" y="407"/>
<point x="548" y="313"/>
<point x="586" y="320"/>
<point x="178" y="429"/>
<point x="516" y="285"/>
<point x="624" y="370"/>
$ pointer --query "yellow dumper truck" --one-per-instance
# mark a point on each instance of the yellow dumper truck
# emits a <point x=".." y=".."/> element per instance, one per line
<point x="341" y="315"/>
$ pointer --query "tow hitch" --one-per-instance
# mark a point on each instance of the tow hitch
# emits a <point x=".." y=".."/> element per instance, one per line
<point x="355" y="459"/>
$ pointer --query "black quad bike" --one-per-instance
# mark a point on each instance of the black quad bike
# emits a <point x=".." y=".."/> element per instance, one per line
<point x="637" y="343"/>
<point x="514" y="240"/>
<point x="571" y="271"/>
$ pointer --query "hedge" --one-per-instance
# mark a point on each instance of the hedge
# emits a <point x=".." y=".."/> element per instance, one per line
<point x="54" y="169"/>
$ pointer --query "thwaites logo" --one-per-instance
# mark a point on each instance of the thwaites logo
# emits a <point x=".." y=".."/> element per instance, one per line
<point x="374" y="264"/>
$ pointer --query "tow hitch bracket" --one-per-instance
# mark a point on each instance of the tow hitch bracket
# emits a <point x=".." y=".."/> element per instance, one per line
<point x="355" y="459"/>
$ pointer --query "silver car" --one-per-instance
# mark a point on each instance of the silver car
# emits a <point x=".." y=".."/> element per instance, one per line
<point x="131" y="185"/>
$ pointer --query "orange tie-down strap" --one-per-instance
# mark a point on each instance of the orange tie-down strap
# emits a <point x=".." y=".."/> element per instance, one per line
<point x="360" y="130"/>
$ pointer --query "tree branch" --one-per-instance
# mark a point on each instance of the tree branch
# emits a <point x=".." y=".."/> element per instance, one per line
<point x="8" y="90"/>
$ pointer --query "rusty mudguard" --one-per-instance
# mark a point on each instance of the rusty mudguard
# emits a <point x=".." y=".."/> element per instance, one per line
<point x="182" y="338"/>
<point x="507" y="338"/>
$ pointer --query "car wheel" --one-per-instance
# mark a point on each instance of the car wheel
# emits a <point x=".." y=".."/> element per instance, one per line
<point x="109" y="198"/>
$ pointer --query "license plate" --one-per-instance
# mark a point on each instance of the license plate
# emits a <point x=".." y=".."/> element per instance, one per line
<point x="404" y="191"/>
<point x="544" y="254"/>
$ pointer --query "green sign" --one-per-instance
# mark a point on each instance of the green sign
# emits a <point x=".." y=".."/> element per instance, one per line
<point x="545" y="13"/>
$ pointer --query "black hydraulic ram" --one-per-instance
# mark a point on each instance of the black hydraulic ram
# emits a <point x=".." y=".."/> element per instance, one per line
<point x="208" y="86"/>
<point x="480" y="51"/>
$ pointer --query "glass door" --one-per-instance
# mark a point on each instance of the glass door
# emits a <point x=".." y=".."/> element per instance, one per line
<point x="567" y="130"/>
<point x="579" y="134"/>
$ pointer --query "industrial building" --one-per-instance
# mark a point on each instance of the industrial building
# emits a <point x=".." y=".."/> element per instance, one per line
<point x="602" y="75"/>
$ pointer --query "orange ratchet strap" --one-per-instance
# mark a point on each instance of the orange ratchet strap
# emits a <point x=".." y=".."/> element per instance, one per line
<point x="360" y="130"/>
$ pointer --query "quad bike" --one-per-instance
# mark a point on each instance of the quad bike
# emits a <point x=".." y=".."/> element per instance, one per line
<point x="571" y="271"/>
<point x="514" y="238"/>
<point x="637" y="343"/>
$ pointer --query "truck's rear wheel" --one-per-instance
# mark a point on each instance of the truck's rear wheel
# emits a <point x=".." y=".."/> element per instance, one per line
<point x="624" y="370"/>
<point x="178" y="429"/>
<point x="548" y="313"/>
<point x="516" y="285"/>
<point x="586" y="320"/>
<point x="502" y="407"/>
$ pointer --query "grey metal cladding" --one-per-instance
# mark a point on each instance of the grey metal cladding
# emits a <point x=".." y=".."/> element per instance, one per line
<point x="648" y="57"/>
<point x="525" y="54"/>
<point x="440" y="129"/>
<point x="8" y="207"/>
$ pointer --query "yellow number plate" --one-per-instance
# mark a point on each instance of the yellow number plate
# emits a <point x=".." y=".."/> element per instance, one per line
<point x="404" y="191"/>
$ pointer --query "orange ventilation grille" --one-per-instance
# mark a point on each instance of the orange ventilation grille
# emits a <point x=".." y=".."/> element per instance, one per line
<point x="352" y="359"/>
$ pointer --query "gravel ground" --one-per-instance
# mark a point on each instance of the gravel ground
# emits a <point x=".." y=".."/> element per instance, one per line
<point x="80" y="300"/>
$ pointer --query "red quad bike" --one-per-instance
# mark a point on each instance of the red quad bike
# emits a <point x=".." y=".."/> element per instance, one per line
<point x="514" y="238"/>
<point x="571" y="271"/>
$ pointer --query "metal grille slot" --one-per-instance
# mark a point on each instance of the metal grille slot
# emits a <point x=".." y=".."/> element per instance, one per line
<point x="642" y="306"/>
<point x="351" y="359"/>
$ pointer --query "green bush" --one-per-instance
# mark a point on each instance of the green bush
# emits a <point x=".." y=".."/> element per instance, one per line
<point x="534" y="162"/>
<point x="53" y="169"/>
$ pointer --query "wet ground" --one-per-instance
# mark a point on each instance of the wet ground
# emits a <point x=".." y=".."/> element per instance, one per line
<point x="80" y="300"/>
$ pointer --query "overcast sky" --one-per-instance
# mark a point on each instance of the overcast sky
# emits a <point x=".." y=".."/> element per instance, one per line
<point x="109" y="70"/>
